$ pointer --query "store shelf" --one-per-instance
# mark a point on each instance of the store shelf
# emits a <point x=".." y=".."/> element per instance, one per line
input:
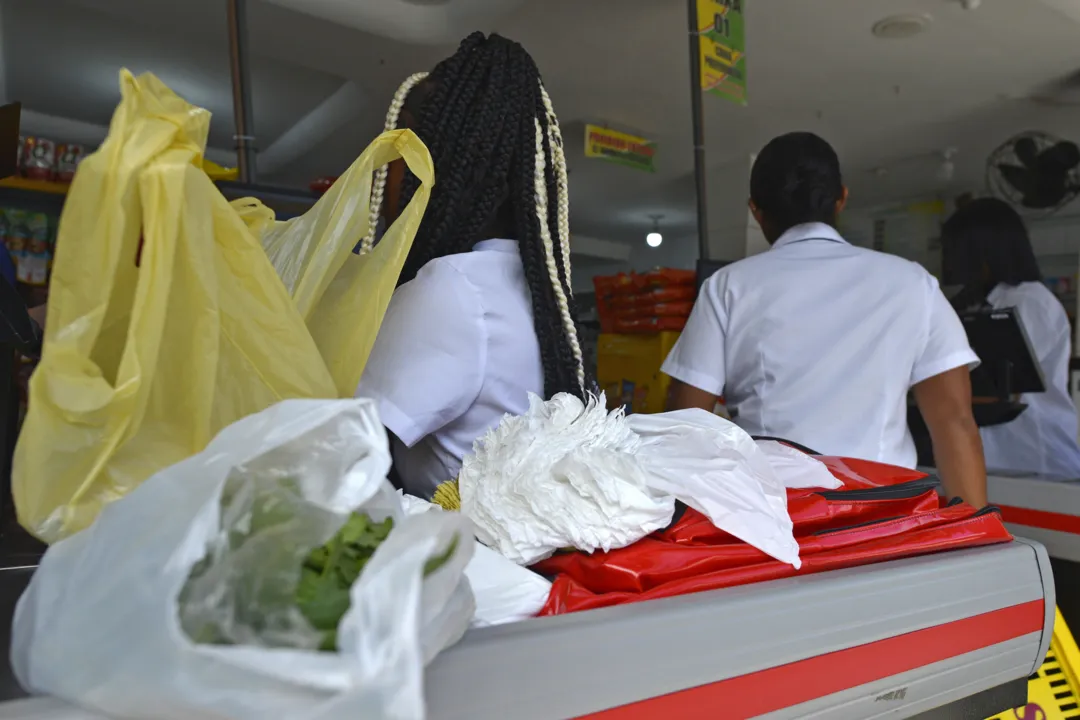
<point x="42" y="195"/>
<point x="41" y="186"/>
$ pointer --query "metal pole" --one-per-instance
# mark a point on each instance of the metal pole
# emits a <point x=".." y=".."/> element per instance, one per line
<point x="238" y="62"/>
<point x="698" y="116"/>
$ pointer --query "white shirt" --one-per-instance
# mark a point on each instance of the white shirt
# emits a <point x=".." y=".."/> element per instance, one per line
<point x="818" y="342"/>
<point x="1043" y="439"/>
<point x="456" y="351"/>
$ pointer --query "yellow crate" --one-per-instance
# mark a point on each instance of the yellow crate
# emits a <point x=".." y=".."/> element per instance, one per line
<point x="1053" y="691"/>
<point x="628" y="370"/>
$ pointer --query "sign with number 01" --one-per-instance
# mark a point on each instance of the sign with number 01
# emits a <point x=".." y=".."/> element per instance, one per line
<point x="723" y="48"/>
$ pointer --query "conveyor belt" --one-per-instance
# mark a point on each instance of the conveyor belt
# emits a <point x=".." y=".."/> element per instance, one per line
<point x="942" y="636"/>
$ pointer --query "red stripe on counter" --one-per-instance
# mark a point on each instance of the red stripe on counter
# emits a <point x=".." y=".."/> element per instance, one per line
<point x="1041" y="519"/>
<point x="798" y="682"/>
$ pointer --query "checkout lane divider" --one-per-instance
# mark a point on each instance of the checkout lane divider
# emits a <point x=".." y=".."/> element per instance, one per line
<point x="787" y="685"/>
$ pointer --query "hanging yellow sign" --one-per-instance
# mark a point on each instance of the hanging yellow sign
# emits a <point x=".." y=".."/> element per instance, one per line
<point x="619" y="148"/>
<point x="721" y="30"/>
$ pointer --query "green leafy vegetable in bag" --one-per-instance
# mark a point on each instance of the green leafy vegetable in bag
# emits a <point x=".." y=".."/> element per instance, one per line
<point x="258" y="585"/>
<point x="330" y="571"/>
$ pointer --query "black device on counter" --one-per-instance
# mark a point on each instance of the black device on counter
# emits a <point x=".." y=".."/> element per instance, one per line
<point x="1008" y="368"/>
<point x="1008" y="363"/>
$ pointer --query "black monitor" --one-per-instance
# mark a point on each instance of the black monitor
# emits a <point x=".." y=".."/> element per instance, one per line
<point x="1008" y="368"/>
<point x="707" y="268"/>
<point x="1008" y="364"/>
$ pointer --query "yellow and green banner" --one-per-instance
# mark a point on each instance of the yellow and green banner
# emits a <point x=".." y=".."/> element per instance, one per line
<point x="619" y="148"/>
<point x="723" y="48"/>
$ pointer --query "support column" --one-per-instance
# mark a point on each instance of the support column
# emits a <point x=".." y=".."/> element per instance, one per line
<point x="241" y="88"/>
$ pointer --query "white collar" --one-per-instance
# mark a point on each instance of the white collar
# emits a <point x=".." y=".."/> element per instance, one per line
<point x="809" y="231"/>
<point x="496" y="245"/>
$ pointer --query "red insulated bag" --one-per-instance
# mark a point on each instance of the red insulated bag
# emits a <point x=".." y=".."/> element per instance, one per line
<point x="881" y="513"/>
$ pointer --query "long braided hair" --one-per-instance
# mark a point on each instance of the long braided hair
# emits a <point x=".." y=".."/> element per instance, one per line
<point x="500" y="171"/>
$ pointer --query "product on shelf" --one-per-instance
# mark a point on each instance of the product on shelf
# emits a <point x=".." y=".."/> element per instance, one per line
<point x="68" y="157"/>
<point x="39" y="158"/>
<point x="34" y="267"/>
<point x="28" y="238"/>
<point x="657" y="301"/>
<point x="16" y="236"/>
<point x="322" y="184"/>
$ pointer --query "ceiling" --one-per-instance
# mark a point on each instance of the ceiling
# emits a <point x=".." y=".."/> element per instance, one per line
<point x="889" y="104"/>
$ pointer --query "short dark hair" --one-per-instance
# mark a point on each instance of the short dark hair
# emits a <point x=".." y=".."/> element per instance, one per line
<point x="796" y="179"/>
<point x="985" y="243"/>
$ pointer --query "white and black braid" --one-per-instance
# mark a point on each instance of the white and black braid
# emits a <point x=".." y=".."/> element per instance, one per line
<point x="378" y="186"/>
<point x="500" y="171"/>
<point x="569" y="326"/>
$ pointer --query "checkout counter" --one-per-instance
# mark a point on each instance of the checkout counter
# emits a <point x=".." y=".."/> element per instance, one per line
<point x="1042" y="509"/>
<point x="941" y="636"/>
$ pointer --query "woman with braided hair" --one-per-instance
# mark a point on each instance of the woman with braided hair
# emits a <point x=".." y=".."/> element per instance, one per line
<point x="483" y="314"/>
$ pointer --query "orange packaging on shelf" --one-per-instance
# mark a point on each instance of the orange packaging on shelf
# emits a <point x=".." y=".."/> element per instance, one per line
<point x="657" y="310"/>
<point x="663" y="285"/>
<point x="664" y="277"/>
<point x="654" y="296"/>
<point x="649" y="325"/>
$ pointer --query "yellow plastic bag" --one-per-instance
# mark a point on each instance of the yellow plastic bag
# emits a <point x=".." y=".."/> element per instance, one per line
<point x="333" y="288"/>
<point x="167" y="321"/>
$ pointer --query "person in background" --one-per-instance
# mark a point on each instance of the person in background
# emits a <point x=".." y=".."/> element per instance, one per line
<point x="818" y="342"/>
<point x="483" y="315"/>
<point x="990" y="254"/>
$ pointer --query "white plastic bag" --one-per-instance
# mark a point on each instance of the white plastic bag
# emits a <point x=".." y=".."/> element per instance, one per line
<point x="713" y="466"/>
<point x="44" y="708"/>
<point x="563" y="475"/>
<point x="504" y="592"/>
<point x="99" y="627"/>
<point x="797" y="470"/>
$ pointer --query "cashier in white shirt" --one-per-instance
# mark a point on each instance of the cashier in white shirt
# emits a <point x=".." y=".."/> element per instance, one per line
<point x="989" y="252"/>
<point x="818" y="342"/>
<point x="483" y="315"/>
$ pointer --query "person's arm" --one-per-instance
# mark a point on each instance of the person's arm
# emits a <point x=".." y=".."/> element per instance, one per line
<point x="941" y="380"/>
<point x="945" y="403"/>
<point x="682" y="396"/>
<point x="696" y="363"/>
<point x="427" y="366"/>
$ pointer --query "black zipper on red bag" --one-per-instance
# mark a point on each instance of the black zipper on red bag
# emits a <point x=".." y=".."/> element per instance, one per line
<point x="792" y="443"/>
<point x="900" y="491"/>
<point x="989" y="509"/>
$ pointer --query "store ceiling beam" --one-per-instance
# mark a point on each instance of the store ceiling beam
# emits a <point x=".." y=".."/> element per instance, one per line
<point x="596" y="248"/>
<point x="345" y="105"/>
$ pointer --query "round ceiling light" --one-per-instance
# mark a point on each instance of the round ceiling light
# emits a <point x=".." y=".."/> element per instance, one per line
<point x="654" y="239"/>
<point x="898" y="27"/>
